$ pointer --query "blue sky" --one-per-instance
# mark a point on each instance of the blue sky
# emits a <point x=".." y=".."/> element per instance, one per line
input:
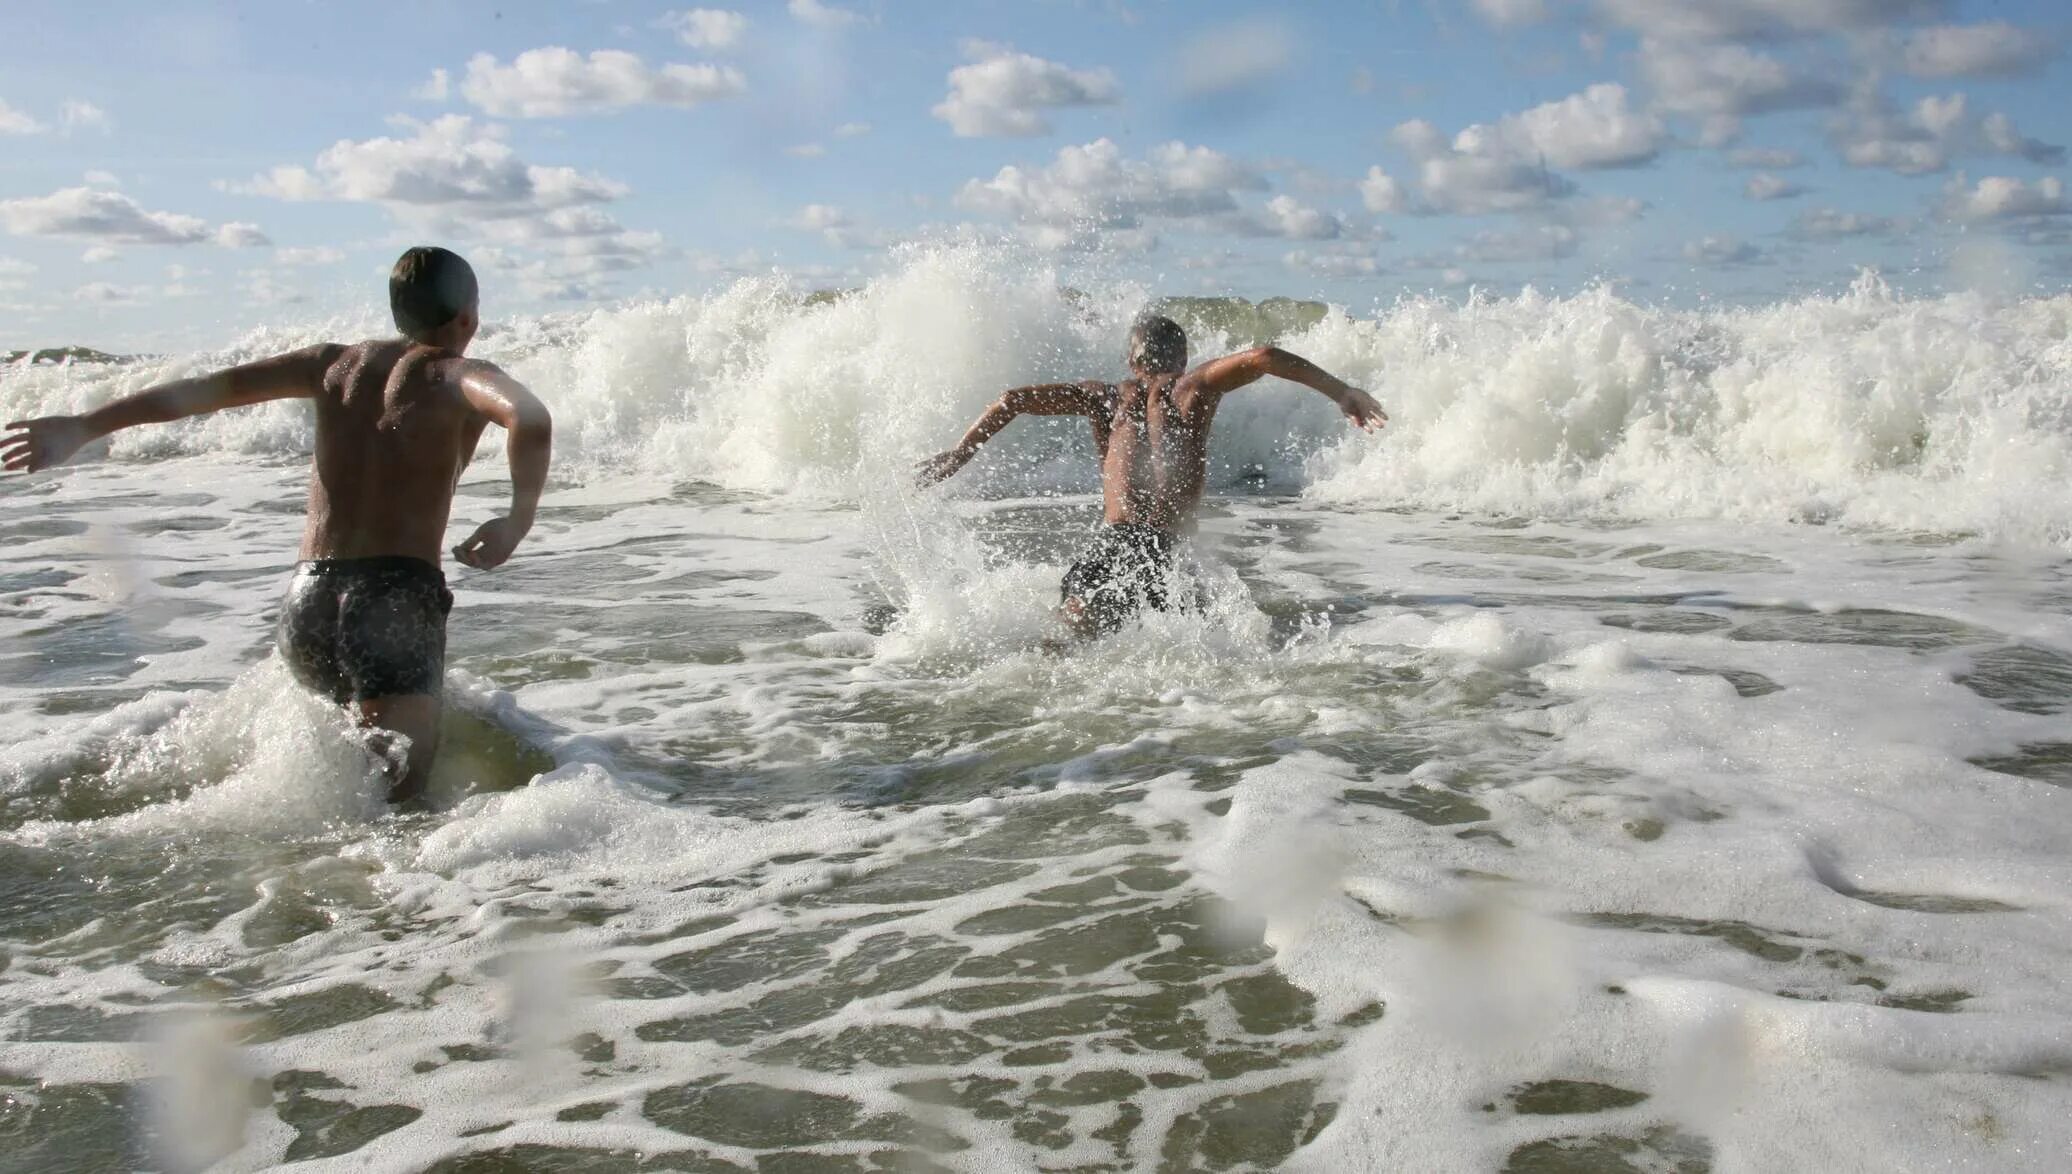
<point x="175" y="174"/>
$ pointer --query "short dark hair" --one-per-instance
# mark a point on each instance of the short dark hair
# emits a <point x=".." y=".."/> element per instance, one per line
<point x="1157" y="344"/>
<point x="428" y="288"/>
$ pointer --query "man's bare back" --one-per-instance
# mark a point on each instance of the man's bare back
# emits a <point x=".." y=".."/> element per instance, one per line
<point x="1152" y="433"/>
<point x="397" y="420"/>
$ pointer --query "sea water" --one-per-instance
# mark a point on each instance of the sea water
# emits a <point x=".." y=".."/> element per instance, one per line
<point x="1654" y="752"/>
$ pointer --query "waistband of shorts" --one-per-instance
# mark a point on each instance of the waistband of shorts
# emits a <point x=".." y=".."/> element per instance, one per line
<point x="387" y="566"/>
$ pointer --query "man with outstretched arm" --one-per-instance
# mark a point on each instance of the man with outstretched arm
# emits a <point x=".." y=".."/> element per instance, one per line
<point x="397" y="420"/>
<point x="1152" y="432"/>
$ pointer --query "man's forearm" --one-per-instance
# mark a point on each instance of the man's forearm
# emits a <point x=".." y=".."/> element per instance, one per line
<point x="156" y="405"/>
<point x="530" y="446"/>
<point x="986" y="427"/>
<point x="1293" y="367"/>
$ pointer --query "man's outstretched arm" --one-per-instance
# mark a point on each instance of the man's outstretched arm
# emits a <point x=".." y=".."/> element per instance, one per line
<point x="530" y="428"/>
<point x="36" y="444"/>
<point x="1041" y="399"/>
<point x="1227" y="374"/>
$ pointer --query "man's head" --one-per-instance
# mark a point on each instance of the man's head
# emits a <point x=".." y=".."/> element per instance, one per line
<point x="1157" y="345"/>
<point x="433" y="295"/>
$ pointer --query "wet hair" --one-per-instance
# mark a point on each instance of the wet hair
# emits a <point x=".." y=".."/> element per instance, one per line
<point x="1157" y="344"/>
<point x="428" y="288"/>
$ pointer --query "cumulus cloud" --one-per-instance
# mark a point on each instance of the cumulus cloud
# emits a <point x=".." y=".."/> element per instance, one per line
<point x="1593" y="129"/>
<point x="707" y="28"/>
<point x="1765" y="186"/>
<point x="1834" y="224"/>
<point x="17" y="122"/>
<point x="1539" y="242"/>
<point x="1285" y="216"/>
<point x="2001" y="197"/>
<point x="1234" y="56"/>
<point x="102" y="293"/>
<point x="436" y="88"/>
<point x="1722" y="251"/>
<point x="239" y="235"/>
<point x="100" y="255"/>
<point x="1766" y="158"/>
<point x="1993" y="49"/>
<point x="1763" y="20"/>
<point x="1094" y="191"/>
<point x="805" y="150"/>
<point x="1505" y="14"/>
<point x="447" y="163"/>
<point x="1340" y="263"/>
<point x="1720" y="84"/>
<point x="1380" y="193"/>
<point x="110" y="218"/>
<point x="552" y="82"/>
<point x="73" y="115"/>
<point x="308" y="255"/>
<point x="822" y="16"/>
<point x="1003" y="93"/>
<point x="819" y="218"/>
<point x="1476" y="172"/>
<point x="1927" y="136"/>
<point x="850" y="130"/>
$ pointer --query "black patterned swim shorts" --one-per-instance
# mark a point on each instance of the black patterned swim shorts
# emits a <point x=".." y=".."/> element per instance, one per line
<point x="354" y="629"/>
<point x="1122" y="572"/>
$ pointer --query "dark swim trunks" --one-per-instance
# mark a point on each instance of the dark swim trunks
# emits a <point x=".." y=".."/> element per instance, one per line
<point x="354" y="629"/>
<point x="1123" y="572"/>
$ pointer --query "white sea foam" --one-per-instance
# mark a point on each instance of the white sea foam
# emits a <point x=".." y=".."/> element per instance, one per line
<point x="1867" y="408"/>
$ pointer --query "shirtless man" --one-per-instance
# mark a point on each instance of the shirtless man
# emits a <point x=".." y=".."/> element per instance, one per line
<point x="364" y="621"/>
<point x="1152" y="431"/>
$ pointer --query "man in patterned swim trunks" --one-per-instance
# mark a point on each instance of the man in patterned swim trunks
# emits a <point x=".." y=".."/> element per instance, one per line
<point x="397" y="420"/>
<point x="1152" y="432"/>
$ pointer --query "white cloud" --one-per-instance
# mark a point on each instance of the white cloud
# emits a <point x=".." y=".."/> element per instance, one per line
<point x="11" y="267"/>
<point x="1093" y="194"/>
<point x="436" y="88"/>
<point x="553" y="82"/>
<point x="1592" y="129"/>
<point x="239" y="235"/>
<point x="17" y="122"/>
<point x="1763" y="20"/>
<point x="1766" y="158"/>
<point x="1477" y="172"/>
<point x="101" y="179"/>
<point x="73" y="115"/>
<point x="1380" y="193"/>
<point x="1540" y="242"/>
<point x="1003" y="93"/>
<point x="2000" y="197"/>
<point x="1722" y="84"/>
<point x="819" y="218"/>
<point x="850" y="130"/>
<point x="1723" y="251"/>
<point x="1765" y="186"/>
<point x="1234" y="56"/>
<point x="100" y="255"/>
<point x="707" y="28"/>
<point x="315" y="255"/>
<point x="108" y="218"/>
<point x="1335" y="263"/>
<point x="1285" y="216"/>
<point x="1926" y="137"/>
<point x="822" y="16"/>
<point x="102" y="293"/>
<point x="805" y="150"/>
<point x="77" y="115"/>
<point x="1506" y="14"/>
<point x="1833" y="224"/>
<point x="1993" y="49"/>
<point x="447" y="163"/>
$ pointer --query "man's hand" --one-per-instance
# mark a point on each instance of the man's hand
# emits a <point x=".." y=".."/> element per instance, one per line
<point x="38" y="444"/>
<point x="941" y="465"/>
<point x="1362" y="409"/>
<point x="491" y="544"/>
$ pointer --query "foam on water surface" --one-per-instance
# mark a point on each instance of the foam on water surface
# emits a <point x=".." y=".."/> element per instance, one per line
<point x="1556" y="835"/>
